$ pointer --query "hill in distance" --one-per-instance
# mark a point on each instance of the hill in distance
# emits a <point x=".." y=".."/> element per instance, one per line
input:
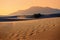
<point x="36" y="9"/>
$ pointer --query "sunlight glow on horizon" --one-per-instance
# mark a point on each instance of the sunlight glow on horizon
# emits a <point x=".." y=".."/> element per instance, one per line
<point x="10" y="6"/>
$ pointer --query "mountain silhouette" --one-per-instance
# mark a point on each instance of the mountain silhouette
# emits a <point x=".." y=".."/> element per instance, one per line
<point x="35" y="9"/>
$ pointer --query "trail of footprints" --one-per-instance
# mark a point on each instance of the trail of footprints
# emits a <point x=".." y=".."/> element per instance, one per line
<point x="31" y="32"/>
<point x="22" y="35"/>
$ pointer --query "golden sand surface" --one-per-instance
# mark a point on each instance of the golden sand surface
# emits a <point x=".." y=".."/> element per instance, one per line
<point x="39" y="29"/>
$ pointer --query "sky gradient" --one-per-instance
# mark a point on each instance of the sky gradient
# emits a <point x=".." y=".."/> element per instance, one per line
<point x="10" y="6"/>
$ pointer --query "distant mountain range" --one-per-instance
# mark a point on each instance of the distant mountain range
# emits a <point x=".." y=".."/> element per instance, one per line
<point x="35" y="10"/>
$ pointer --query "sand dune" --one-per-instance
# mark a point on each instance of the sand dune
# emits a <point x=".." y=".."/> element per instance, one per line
<point x="39" y="29"/>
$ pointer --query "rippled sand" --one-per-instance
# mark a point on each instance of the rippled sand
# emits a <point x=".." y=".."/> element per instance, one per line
<point x="39" y="29"/>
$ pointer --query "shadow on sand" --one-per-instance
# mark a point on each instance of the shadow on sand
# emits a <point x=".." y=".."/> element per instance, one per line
<point x="10" y="20"/>
<point x="15" y="18"/>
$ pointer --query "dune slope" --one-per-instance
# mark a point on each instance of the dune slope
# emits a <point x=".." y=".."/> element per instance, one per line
<point x="40" y="29"/>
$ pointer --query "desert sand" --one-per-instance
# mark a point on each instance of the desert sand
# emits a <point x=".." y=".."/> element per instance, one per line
<point x="39" y="29"/>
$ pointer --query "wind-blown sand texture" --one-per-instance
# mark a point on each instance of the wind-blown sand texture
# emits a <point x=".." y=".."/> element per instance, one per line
<point x="39" y="29"/>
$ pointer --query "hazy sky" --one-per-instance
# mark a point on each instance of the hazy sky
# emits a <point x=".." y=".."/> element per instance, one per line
<point x="9" y="6"/>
